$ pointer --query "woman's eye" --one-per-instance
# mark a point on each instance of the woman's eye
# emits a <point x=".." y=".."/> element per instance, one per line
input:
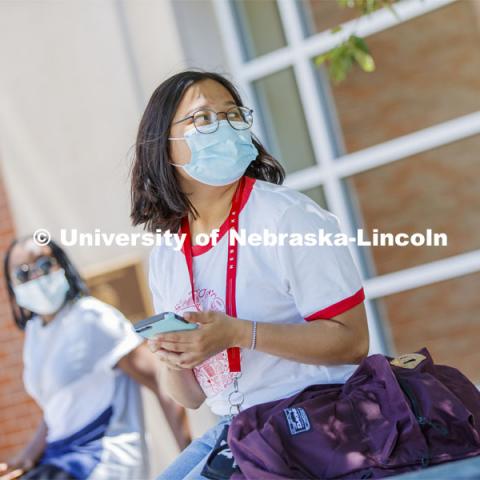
<point x="203" y="118"/>
<point x="235" y="115"/>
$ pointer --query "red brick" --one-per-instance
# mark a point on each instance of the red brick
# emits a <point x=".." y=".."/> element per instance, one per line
<point x="18" y="412"/>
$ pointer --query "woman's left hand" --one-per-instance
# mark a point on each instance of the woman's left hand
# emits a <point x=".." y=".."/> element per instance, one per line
<point x="215" y="333"/>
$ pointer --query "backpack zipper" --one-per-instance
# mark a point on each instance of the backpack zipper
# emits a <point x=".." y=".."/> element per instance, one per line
<point x="421" y="418"/>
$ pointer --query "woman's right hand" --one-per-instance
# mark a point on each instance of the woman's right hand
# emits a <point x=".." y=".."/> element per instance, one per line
<point x="16" y="466"/>
<point x="168" y="358"/>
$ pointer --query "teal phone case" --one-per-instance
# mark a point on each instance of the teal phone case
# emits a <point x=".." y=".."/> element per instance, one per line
<point x="162" y="323"/>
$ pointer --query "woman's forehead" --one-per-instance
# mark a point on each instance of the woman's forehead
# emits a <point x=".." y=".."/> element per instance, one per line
<point x="28" y="252"/>
<point x="205" y="92"/>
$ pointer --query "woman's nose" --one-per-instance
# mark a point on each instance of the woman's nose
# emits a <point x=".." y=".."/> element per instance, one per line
<point x="36" y="274"/>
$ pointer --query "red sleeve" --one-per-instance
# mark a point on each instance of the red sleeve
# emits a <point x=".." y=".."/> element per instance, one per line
<point x="339" y="307"/>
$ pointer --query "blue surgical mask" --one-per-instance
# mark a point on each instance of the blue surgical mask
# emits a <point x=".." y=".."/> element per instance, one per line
<point x="218" y="158"/>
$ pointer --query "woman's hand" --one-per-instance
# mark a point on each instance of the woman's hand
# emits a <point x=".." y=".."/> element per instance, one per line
<point x="187" y="349"/>
<point x="169" y="359"/>
<point x="16" y="466"/>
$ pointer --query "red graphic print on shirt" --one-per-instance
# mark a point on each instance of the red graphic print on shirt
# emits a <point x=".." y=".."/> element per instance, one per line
<point x="213" y="374"/>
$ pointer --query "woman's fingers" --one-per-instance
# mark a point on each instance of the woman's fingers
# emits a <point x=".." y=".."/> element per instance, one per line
<point x="170" y="358"/>
<point x="152" y="346"/>
<point x="171" y="347"/>
<point x="13" y="474"/>
<point x="179" y="361"/>
<point x="155" y="344"/>
<point x="189" y="360"/>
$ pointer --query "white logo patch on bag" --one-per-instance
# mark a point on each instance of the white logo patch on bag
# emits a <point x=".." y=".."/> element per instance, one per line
<point x="297" y="420"/>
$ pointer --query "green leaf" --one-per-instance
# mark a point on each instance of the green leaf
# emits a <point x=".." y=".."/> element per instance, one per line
<point x="364" y="60"/>
<point x="319" y="59"/>
<point x="374" y="5"/>
<point x="341" y="65"/>
<point x="353" y="50"/>
<point x="339" y="52"/>
<point x="361" y="44"/>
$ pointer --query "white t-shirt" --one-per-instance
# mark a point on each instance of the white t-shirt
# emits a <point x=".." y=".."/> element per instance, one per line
<point x="69" y="371"/>
<point x="275" y="284"/>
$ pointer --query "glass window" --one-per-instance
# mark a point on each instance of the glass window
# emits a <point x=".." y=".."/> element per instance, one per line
<point x="426" y="73"/>
<point x="437" y="190"/>
<point x="321" y="15"/>
<point x="284" y="120"/>
<point x="442" y="317"/>
<point x="252" y="17"/>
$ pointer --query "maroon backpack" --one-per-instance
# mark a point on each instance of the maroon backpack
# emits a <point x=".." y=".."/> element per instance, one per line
<point x="391" y="416"/>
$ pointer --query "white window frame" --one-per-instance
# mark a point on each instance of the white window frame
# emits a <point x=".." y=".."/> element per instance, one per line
<point x="331" y="168"/>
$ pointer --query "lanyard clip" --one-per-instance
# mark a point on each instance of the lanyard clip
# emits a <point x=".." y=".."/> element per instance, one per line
<point x="235" y="398"/>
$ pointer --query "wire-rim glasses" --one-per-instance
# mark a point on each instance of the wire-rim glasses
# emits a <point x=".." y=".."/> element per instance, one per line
<point x="205" y="120"/>
<point x="42" y="266"/>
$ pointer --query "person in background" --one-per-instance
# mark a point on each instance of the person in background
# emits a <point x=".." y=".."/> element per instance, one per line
<point x="83" y="364"/>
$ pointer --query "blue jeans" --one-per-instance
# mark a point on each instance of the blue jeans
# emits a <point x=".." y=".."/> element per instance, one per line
<point x="190" y="462"/>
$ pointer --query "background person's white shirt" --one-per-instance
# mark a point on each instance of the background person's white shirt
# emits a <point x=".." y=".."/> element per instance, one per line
<point x="282" y="284"/>
<point x="69" y="370"/>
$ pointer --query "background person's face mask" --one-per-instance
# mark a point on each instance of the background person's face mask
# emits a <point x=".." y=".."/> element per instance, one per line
<point x="218" y="158"/>
<point x="43" y="295"/>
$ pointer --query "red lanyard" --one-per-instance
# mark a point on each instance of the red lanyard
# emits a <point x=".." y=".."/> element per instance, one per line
<point x="231" y="308"/>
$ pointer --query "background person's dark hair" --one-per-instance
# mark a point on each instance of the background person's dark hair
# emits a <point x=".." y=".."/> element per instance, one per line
<point x="156" y="199"/>
<point x="78" y="288"/>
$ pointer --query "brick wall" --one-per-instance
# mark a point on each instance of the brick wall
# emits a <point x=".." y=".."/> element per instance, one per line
<point x="19" y="414"/>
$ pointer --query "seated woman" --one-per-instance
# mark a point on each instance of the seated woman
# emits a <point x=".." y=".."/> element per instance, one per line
<point x="273" y="319"/>
<point x="83" y="364"/>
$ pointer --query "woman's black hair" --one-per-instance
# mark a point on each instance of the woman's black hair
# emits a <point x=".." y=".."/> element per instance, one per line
<point x="78" y="287"/>
<point x="157" y="201"/>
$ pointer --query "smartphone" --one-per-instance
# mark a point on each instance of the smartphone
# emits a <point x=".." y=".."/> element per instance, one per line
<point x="162" y="323"/>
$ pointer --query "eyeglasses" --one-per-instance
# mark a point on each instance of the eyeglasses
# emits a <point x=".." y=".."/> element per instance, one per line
<point x="42" y="266"/>
<point x="206" y="120"/>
